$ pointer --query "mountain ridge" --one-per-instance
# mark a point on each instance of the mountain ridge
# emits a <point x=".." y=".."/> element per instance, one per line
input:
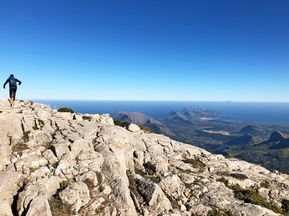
<point x="55" y="163"/>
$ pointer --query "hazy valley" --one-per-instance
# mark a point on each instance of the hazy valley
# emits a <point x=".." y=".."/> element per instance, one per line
<point x="264" y="144"/>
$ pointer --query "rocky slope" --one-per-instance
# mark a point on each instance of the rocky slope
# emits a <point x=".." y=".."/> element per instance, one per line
<point x="54" y="163"/>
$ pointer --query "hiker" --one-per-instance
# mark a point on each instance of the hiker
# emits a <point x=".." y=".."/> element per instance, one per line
<point x="12" y="88"/>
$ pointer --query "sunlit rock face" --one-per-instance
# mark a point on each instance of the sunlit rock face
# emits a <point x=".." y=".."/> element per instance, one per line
<point x="55" y="163"/>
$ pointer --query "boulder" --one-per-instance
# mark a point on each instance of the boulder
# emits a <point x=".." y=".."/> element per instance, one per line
<point x="75" y="195"/>
<point x="39" y="206"/>
<point x="133" y="128"/>
<point x="153" y="194"/>
<point x="9" y="186"/>
<point x="172" y="186"/>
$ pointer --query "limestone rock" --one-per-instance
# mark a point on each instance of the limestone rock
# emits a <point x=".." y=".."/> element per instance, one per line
<point x="87" y="164"/>
<point x="75" y="195"/>
<point x="133" y="128"/>
<point x="153" y="194"/>
<point x="172" y="186"/>
<point x="9" y="185"/>
<point x="37" y="192"/>
<point x="5" y="209"/>
<point x="48" y="154"/>
<point x="90" y="177"/>
<point x="39" y="206"/>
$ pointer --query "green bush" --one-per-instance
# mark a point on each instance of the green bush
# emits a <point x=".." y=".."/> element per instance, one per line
<point x="265" y="184"/>
<point x="63" y="185"/>
<point x="132" y="185"/>
<point x="224" y="181"/>
<point x="285" y="206"/>
<point x="19" y="147"/>
<point x="218" y="212"/>
<point x="252" y="196"/>
<point x="35" y="126"/>
<point x="196" y="163"/>
<point x="121" y="124"/>
<point x="65" y="109"/>
<point x="148" y="173"/>
<point x="239" y="176"/>
<point x="88" y="118"/>
<point x="55" y="165"/>
<point x="25" y="136"/>
<point x="145" y="129"/>
<point x="56" y="206"/>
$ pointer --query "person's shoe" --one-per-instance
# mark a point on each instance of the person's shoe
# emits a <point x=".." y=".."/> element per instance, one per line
<point x="10" y="102"/>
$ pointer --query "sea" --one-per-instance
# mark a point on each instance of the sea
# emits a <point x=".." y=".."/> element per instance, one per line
<point x="262" y="113"/>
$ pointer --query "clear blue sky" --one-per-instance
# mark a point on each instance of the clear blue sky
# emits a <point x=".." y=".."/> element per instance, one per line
<point x="198" y="50"/>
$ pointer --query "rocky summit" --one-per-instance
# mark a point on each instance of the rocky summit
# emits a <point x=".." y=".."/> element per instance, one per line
<point x="61" y="163"/>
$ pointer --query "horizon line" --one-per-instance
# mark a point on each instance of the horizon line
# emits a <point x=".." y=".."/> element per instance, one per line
<point x="179" y="101"/>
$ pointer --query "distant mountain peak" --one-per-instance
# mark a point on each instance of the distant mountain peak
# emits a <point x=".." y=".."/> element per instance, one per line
<point x="242" y="140"/>
<point x="251" y="129"/>
<point x="278" y="136"/>
<point x="136" y="118"/>
<point x="144" y="120"/>
<point x="189" y="115"/>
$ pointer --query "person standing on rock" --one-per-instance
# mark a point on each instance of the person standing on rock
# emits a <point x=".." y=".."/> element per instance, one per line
<point x="12" y="88"/>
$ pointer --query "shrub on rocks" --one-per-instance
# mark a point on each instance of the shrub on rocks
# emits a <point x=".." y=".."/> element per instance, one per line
<point x="65" y="109"/>
<point x="57" y="207"/>
<point x="265" y="184"/>
<point x="239" y="176"/>
<point x="285" y="206"/>
<point x="218" y="212"/>
<point x="121" y="124"/>
<point x="145" y="129"/>
<point x="19" y="147"/>
<point x="87" y="118"/>
<point x="252" y="196"/>
<point x="63" y="185"/>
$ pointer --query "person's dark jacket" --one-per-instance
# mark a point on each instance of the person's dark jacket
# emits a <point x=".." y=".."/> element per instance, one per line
<point x="12" y="82"/>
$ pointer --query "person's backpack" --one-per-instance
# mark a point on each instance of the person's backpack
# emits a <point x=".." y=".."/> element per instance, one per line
<point x="12" y="82"/>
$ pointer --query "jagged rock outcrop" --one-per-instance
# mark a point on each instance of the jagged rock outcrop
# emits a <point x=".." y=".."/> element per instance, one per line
<point x="54" y="163"/>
